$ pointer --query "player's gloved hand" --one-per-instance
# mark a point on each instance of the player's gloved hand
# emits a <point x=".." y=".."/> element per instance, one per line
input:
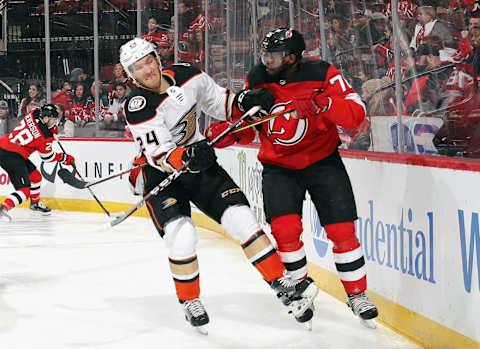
<point x="247" y="99"/>
<point x="68" y="160"/>
<point x="139" y="160"/>
<point x="311" y="104"/>
<point x="215" y="129"/>
<point x="243" y="137"/>
<point x="135" y="177"/>
<point x="200" y="156"/>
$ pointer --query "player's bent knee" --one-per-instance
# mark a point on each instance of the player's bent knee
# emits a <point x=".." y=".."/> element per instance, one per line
<point x="287" y="230"/>
<point x="181" y="237"/>
<point x="342" y="235"/>
<point x="240" y="222"/>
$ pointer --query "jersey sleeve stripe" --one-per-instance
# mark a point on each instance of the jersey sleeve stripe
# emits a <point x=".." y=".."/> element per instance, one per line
<point x="47" y="157"/>
<point x="356" y="98"/>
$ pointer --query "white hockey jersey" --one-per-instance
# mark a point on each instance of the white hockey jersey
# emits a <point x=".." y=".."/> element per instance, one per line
<point x="161" y="122"/>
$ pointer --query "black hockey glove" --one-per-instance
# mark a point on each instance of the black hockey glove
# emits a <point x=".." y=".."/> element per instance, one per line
<point x="246" y="99"/>
<point x="201" y="156"/>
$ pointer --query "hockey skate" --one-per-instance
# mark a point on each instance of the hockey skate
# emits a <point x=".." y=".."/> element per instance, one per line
<point x="41" y="208"/>
<point x="196" y="315"/>
<point x="298" y="296"/>
<point x="4" y="216"/>
<point x="364" y="308"/>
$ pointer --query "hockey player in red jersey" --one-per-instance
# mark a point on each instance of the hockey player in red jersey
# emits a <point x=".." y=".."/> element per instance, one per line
<point x="299" y="154"/>
<point x="162" y="114"/>
<point x="34" y="133"/>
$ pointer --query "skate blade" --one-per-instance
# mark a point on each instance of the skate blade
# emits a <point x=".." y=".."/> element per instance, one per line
<point x="45" y="214"/>
<point x="298" y="308"/>
<point x="5" y="219"/>
<point x="308" y="325"/>
<point x="202" y="330"/>
<point x="371" y="323"/>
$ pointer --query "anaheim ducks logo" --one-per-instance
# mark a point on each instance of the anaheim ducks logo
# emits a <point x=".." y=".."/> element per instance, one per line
<point x="137" y="103"/>
<point x="286" y="129"/>
<point x="168" y="202"/>
<point x="185" y="127"/>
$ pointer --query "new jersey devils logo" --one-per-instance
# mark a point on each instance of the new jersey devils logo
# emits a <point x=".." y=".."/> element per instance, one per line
<point x="286" y="130"/>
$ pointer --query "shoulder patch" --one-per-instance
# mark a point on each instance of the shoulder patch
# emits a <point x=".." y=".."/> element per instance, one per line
<point x="137" y="103"/>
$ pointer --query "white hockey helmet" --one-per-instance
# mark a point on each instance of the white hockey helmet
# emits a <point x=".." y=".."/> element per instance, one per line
<point x="134" y="50"/>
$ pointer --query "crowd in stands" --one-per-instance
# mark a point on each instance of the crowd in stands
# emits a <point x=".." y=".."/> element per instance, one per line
<point x="439" y="48"/>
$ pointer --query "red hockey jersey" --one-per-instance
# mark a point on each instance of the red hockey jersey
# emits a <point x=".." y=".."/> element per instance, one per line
<point x="29" y="136"/>
<point x="297" y="143"/>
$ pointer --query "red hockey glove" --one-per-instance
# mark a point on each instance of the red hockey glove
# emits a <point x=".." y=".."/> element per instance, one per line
<point x="311" y="104"/>
<point x="68" y="160"/>
<point x="243" y="137"/>
<point x="215" y="129"/>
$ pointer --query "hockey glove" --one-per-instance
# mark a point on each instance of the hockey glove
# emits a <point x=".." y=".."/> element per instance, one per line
<point x="200" y="155"/>
<point x="135" y="178"/>
<point x="68" y="160"/>
<point x="247" y="99"/>
<point x="139" y="160"/>
<point x="311" y="104"/>
<point x="243" y="137"/>
<point x="215" y="129"/>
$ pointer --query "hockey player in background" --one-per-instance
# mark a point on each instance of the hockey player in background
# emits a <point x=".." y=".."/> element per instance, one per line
<point x="299" y="154"/>
<point x="162" y="114"/>
<point x="34" y="133"/>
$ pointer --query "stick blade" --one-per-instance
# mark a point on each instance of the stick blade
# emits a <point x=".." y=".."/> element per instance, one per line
<point x="70" y="179"/>
<point x="117" y="220"/>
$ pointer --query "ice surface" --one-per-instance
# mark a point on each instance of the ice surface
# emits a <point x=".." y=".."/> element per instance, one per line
<point x="71" y="281"/>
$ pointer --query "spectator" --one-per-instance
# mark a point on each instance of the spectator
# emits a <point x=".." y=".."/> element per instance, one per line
<point x="425" y="94"/>
<point x="312" y="50"/>
<point x="114" y="118"/>
<point x="474" y="56"/>
<point x="64" y="97"/>
<point x="363" y="35"/>
<point x="82" y="107"/>
<point x="154" y="35"/>
<point x="379" y="21"/>
<point x="380" y="102"/>
<point x="429" y="25"/>
<point x="107" y="90"/>
<point x="464" y="45"/>
<point x="4" y="118"/>
<point x="338" y="26"/>
<point x="78" y="75"/>
<point x="165" y="51"/>
<point x="35" y="99"/>
<point x="338" y="50"/>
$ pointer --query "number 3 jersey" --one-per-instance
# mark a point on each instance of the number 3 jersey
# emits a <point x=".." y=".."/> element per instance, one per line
<point x="29" y="136"/>
<point x="290" y="142"/>
<point x="161" y="122"/>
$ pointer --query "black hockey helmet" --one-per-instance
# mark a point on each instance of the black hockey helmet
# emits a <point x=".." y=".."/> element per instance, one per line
<point x="49" y="110"/>
<point x="284" y="39"/>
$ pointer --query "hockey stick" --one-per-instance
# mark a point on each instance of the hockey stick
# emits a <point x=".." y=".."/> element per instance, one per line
<point x="175" y="174"/>
<point x="68" y="177"/>
<point x="92" y="183"/>
<point x="262" y="120"/>
<point x="248" y="125"/>
<point x="407" y="79"/>
<point x="80" y="176"/>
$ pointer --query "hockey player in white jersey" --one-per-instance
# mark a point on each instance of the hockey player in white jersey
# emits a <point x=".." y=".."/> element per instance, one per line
<point x="162" y="114"/>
